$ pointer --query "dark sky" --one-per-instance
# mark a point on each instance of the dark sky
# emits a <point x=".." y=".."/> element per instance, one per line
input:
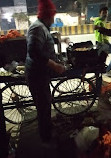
<point x="61" y="5"/>
<point x="5" y="3"/>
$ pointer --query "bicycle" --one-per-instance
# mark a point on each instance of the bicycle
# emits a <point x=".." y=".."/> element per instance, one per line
<point x="17" y="102"/>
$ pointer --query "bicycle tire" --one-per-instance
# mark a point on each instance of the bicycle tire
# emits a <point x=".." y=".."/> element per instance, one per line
<point x="68" y="103"/>
<point x="69" y="82"/>
<point x="18" y="103"/>
<point x="53" y="84"/>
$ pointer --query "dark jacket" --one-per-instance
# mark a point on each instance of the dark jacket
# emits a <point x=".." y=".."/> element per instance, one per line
<point x="40" y="48"/>
<point x="105" y="31"/>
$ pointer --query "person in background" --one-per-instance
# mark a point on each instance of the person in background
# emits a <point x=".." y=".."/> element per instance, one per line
<point x="40" y="64"/>
<point x="102" y="40"/>
<point x="107" y="32"/>
<point x="101" y="22"/>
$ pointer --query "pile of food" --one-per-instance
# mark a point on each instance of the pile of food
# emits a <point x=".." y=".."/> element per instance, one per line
<point x="3" y="72"/>
<point x="10" y="35"/>
<point x="82" y="49"/>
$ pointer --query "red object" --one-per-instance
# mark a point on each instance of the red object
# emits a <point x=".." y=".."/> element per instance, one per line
<point x="104" y="88"/>
<point x="11" y="34"/>
<point x="46" y="9"/>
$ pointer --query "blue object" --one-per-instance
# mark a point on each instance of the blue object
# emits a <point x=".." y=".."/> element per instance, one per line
<point x="57" y="23"/>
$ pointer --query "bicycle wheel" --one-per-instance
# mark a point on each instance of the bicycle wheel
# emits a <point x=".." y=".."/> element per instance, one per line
<point x="53" y="84"/>
<point x="18" y="103"/>
<point x="75" y="98"/>
<point x="73" y="84"/>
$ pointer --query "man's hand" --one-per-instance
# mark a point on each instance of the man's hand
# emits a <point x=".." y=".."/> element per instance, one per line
<point x="59" y="68"/>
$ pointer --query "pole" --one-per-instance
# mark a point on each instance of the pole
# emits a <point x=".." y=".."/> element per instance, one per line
<point x="107" y="3"/>
<point x="0" y="18"/>
<point x="3" y="135"/>
<point x="27" y="13"/>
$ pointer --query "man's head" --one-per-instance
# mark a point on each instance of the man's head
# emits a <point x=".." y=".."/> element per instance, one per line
<point x="103" y="13"/>
<point x="46" y="11"/>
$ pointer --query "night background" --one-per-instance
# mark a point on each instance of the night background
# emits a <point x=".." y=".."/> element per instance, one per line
<point x="88" y="7"/>
<point x="5" y="3"/>
<point x="61" y="5"/>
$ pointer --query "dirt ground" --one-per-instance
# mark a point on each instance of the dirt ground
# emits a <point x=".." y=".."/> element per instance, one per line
<point x="66" y="130"/>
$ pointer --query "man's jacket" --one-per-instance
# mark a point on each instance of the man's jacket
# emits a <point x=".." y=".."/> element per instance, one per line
<point x="40" y="48"/>
<point x="100" y="38"/>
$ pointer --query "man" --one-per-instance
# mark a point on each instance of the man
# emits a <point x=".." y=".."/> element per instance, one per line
<point x="40" y="63"/>
<point x="107" y="32"/>
<point x="101" y="22"/>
